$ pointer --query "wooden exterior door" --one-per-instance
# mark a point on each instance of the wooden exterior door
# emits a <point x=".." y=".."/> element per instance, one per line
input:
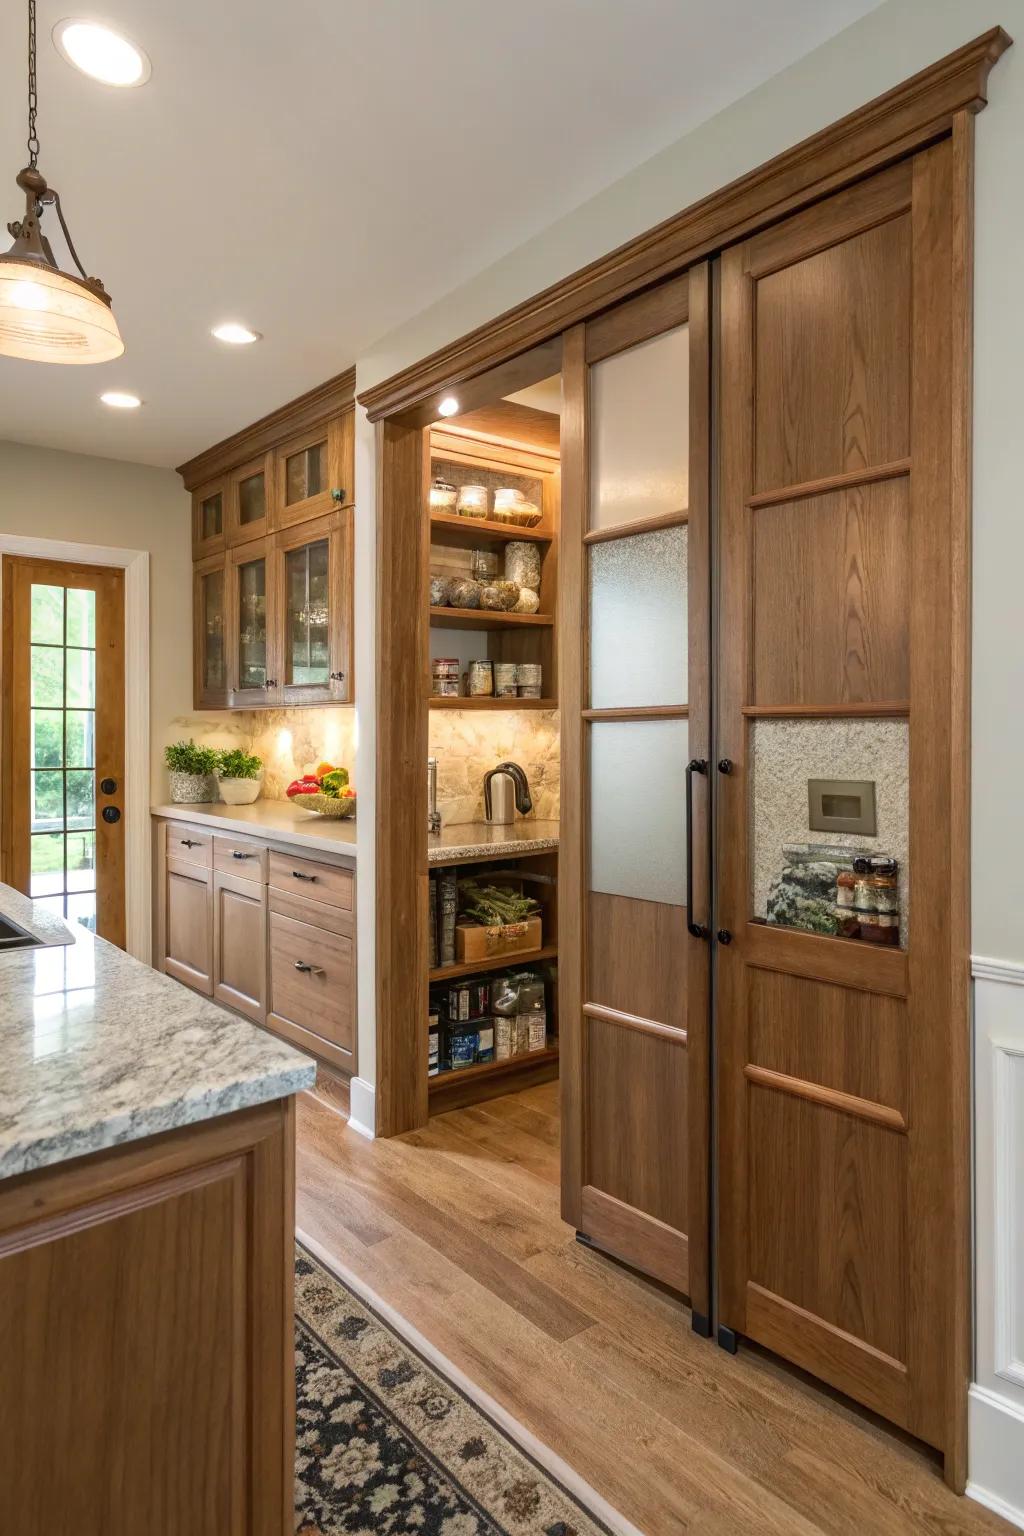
<point x="634" y="695"/>
<point x="63" y="710"/>
<point x="842" y="655"/>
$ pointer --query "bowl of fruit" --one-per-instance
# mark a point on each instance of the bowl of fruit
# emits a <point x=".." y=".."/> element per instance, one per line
<point x="326" y="792"/>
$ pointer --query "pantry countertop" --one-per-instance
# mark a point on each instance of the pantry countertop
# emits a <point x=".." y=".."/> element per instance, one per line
<point x="279" y="821"/>
<point x="476" y="840"/>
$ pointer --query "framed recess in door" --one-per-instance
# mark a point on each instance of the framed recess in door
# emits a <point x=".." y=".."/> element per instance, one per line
<point x="844" y="1158"/>
<point x="63" y="739"/>
<point x="635" y="707"/>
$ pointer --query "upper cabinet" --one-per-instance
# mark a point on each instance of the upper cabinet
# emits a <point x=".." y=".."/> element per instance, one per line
<point x="272" y="550"/>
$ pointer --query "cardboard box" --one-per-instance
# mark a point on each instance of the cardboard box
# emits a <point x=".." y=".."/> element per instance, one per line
<point x="474" y="942"/>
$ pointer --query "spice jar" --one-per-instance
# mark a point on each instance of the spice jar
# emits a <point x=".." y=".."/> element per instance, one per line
<point x="484" y="564"/>
<point x="480" y="680"/>
<point x="522" y="564"/>
<point x="472" y="501"/>
<point x="443" y="496"/>
<point x="879" y="927"/>
<point x="445" y="677"/>
<point x="505" y="679"/>
<point x="529" y="679"/>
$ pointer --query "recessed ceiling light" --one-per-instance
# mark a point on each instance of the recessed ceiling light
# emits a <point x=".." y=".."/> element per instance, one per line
<point x="120" y="400"/>
<point x="234" y="334"/>
<point x="449" y="406"/>
<point x="100" y="52"/>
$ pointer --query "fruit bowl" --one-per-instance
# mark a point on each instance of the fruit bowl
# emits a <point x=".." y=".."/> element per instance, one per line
<point x="327" y="805"/>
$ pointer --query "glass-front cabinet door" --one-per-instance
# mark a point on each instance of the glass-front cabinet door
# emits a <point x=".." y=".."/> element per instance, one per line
<point x="209" y="518"/>
<point x="209" y="639"/>
<point x="250" y="501"/>
<point x="308" y="469"/>
<point x="252" y="669"/>
<point x="312" y="563"/>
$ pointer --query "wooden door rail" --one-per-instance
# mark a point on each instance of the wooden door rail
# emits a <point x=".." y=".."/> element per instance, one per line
<point x="849" y="480"/>
<point x="634" y="1021"/>
<point x="639" y="712"/>
<point x="639" y="525"/>
<point x="871" y="710"/>
<point x="829" y="1098"/>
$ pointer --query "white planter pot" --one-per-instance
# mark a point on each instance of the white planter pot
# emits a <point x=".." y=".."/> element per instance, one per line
<point x="193" y="788"/>
<point x="240" y="791"/>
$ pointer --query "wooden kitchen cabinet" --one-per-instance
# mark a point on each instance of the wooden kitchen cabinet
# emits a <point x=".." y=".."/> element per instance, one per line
<point x="312" y="976"/>
<point x="187" y="928"/>
<point x="240" y="944"/>
<point x="272" y="550"/>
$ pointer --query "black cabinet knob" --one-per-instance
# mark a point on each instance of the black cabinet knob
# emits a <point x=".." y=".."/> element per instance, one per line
<point x="111" y="813"/>
<point x="108" y="786"/>
<point x="724" y="936"/>
<point x="725" y="765"/>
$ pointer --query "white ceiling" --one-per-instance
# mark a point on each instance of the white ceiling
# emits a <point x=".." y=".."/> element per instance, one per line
<point x="325" y="169"/>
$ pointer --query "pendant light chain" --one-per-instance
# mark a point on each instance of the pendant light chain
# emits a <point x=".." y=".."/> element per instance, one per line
<point x="33" y="137"/>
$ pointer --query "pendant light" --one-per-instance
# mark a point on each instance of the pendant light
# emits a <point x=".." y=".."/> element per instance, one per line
<point x="46" y="315"/>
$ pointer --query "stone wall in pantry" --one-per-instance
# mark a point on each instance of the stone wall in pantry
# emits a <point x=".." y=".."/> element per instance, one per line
<point x="290" y="741"/>
<point x="467" y="744"/>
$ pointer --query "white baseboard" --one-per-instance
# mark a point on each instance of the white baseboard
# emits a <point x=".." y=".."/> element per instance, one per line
<point x="996" y="1432"/>
<point x="362" y="1110"/>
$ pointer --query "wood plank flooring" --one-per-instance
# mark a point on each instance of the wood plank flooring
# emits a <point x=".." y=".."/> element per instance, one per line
<point x="457" y="1227"/>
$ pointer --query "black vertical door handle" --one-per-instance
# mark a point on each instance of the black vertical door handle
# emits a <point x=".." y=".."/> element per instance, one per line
<point x="695" y="765"/>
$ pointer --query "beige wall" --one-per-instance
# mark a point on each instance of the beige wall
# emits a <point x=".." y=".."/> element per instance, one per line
<point x="885" y="47"/>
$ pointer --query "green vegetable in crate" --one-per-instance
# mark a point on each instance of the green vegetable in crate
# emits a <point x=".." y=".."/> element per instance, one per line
<point x="334" y="782"/>
<point x="495" y="906"/>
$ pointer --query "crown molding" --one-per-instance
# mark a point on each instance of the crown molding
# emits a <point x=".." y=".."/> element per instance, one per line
<point x="328" y="399"/>
<point x="913" y="114"/>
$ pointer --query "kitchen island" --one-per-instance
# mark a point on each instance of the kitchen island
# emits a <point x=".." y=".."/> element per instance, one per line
<point x="146" y="1231"/>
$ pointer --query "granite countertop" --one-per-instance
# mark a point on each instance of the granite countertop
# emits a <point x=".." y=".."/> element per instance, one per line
<point x="279" y="821"/>
<point x="480" y="840"/>
<point x="98" y="1049"/>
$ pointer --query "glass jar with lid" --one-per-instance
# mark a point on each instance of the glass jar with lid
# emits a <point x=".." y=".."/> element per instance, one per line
<point x="443" y="496"/>
<point x="472" y="501"/>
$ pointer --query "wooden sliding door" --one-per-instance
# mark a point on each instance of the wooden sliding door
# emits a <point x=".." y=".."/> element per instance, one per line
<point x="634" y="694"/>
<point x="842" y="635"/>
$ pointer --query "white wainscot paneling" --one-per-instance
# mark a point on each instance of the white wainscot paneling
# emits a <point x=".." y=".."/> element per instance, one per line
<point x="996" y="1420"/>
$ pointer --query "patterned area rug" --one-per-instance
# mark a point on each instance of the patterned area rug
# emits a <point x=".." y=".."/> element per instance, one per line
<point x="387" y="1445"/>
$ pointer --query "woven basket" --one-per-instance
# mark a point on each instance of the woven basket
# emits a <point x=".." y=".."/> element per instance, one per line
<point x="326" y="805"/>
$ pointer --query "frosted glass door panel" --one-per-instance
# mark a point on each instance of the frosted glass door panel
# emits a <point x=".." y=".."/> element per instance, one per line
<point x="638" y="620"/>
<point x="639" y="431"/>
<point x="637" y="809"/>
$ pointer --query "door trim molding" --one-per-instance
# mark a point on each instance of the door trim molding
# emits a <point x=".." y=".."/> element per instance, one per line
<point x="138" y="880"/>
<point x="911" y="115"/>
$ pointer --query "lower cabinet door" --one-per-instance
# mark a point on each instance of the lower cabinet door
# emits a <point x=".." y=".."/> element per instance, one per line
<point x="188" y="926"/>
<point x="240" y="945"/>
<point x="312" y="988"/>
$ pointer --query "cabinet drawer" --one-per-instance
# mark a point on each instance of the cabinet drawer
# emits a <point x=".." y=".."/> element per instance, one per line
<point x="311" y="986"/>
<point x="306" y="877"/>
<point x="190" y="844"/>
<point x="234" y="856"/>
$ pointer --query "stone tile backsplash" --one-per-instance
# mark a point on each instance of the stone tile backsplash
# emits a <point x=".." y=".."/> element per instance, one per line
<point x="467" y="745"/>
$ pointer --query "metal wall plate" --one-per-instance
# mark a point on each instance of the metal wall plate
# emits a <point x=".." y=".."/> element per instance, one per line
<point x="842" y="805"/>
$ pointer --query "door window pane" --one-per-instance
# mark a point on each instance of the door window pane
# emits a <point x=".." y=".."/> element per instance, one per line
<point x="213" y="625"/>
<point x="47" y="802"/>
<point x="211" y="516"/>
<point x="47" y="623"/>
<point x="47" y="864"/>
<point x="81" y="798"/>
<point x="304" y="473"/>
<point x="252" y="619"/>
<point x="252" y="499"/>
<point x="81" y="613"/>
<point x="47" y="738"/>
<point x="639" y="419"/>
<point x="80" y="861"/>
<point x="80" y="739"/>
<point x="82" y="909"/>
<point x="306" y="577"/>
<point x="81" y="679"/>
<point x="637" y="809"/>
<point x="638" y="620"/>
<point x="47" y="672"/>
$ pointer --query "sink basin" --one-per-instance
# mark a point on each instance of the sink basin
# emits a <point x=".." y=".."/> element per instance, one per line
<point x="13" y="937"/>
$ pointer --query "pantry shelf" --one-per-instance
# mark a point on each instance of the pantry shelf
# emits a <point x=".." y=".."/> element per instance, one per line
<point x="491" y="1069"/>
<point x="463" y="703"/>
<point x="486" y="618"/>
<point x="499" y="963"/>
<point x="469" y="532"/>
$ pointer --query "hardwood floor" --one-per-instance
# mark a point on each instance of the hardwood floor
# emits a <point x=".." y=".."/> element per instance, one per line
<point x="457" y="1227"/>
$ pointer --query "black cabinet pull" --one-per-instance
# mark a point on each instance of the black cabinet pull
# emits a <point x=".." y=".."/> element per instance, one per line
<point x="309" y="970"/>
<point x="187" y="842"/>
<point x="695" y="765"/>
<point x="298" y="875"/>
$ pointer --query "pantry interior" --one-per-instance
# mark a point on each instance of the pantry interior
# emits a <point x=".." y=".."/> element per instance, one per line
<point x="494" y="511"/>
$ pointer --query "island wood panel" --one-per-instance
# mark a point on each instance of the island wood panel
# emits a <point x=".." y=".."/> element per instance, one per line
<point x="832" y="596"/>
<point x="842" y="1218"/>
<point x="146" y="1334"/>
<point x="634" y="1097"/>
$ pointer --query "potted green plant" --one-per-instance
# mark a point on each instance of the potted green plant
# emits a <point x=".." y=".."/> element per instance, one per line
<point x="239" y="776"/>
<point x="191" y="772"/>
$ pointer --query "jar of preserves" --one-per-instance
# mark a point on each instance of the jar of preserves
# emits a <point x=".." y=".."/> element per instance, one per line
<point x="443" y="496"/>
<point x="472" y="501"/>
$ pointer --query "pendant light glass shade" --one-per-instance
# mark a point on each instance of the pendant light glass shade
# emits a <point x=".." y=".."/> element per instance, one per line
<point x="46" y="316"/>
